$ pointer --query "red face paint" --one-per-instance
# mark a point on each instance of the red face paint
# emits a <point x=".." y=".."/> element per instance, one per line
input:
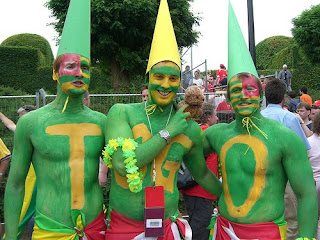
<point x="70" y="65"/>
<point x="250" y="87"/>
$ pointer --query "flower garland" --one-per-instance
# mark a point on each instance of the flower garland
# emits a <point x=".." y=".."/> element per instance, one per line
<point x="128" y="146"/>
<point x="300" y="238"/>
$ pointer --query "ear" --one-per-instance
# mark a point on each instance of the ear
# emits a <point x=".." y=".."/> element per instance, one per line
<point x="55" y="76"/>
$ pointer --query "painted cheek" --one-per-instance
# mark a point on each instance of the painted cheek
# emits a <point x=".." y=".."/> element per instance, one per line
<point x="253" y="83"/>
<point x="65" y="71"/>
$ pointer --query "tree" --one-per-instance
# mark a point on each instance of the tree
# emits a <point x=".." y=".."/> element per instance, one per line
<point x="122" y="31"/>
<point x="306" y="32"/>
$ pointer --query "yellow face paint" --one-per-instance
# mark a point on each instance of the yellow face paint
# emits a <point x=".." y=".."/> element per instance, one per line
<point x="244" y="94"/>
<point x="260" y="155"/>
<point x="164" y="82"/>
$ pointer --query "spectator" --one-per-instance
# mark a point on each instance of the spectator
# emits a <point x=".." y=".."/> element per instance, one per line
<point x="145" y="93"/>
<point x="315" y="109"/>
<point x="222" y="74"/>
<point x="304" y="110"/>
<point x="224" y="106"/>
<point x="210" y="83"/>
<point x="197" y="79"/>
<point x="5" y="157"/>
<point x="285" y="76"/>
<point x="275" y="95"/>
<point x="263" y="104"/>
<point x="304" y="95"/>
<point x="27" y="218"/>
<point x="198" y="201"/>
<point x="314" y="156"/>
<point x="186" y="77"/>
<point x="293" y="101"/>
<point x="86" y="98"/>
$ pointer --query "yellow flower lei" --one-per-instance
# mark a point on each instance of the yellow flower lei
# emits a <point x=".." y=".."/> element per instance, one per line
<point x="128" y="146"/>
<point x="301" y="238"/>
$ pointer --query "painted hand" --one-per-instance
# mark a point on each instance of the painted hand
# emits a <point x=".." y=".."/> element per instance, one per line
<point x="178" y="124"/>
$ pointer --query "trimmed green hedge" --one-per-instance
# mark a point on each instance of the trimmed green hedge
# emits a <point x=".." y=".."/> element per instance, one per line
<point x="273" y="52"/>
<point x="34" y="41"/>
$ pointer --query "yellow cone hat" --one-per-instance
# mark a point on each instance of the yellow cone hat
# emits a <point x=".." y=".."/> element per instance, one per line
<point x="164" y="44"/>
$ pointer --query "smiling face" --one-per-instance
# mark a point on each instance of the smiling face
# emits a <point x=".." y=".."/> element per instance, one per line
<point x="74" y="73"/>
<point x="164" y="82"/>
<point x="244" y="93"/>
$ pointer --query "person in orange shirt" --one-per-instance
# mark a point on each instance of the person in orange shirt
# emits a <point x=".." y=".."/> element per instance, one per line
<point x="304" y="96"/>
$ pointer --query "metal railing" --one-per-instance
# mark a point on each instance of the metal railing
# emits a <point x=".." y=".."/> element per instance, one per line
<point x="99" y="102"/>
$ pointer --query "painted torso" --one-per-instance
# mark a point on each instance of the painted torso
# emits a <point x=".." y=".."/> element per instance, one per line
<point x="167" y="164"/>
<point x="66" y="149"/>
<point x="253" y="176"/>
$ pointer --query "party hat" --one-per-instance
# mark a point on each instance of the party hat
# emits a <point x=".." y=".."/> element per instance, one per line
<point x="76" y="31"/>
<point x="239" y="58"/>
<point x="164" y="44"/>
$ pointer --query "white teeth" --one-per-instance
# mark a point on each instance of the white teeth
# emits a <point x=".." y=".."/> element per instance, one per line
<point x="164" y="93"/>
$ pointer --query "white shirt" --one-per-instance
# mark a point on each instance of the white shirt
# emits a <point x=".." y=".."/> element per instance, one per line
<point x="314" y="155"/>
<point x="197" y="82"/>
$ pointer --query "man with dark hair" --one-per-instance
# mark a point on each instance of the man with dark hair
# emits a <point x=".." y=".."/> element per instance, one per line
<point x="314" y="110"/>
<point x="275" y="95"/>
<point x="293" y="101"/>
<point x="304" y="110"/>
<point x="145" y="93"/>
<point x="304" y="95"/>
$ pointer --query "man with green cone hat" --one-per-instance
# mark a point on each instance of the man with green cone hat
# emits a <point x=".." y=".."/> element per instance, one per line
<point x="63" y="140"/>
<point x="255" y="161"/>
<point x="146" y="144"/>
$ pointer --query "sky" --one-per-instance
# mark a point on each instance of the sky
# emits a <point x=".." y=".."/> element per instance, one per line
<point x="271" y="18"/>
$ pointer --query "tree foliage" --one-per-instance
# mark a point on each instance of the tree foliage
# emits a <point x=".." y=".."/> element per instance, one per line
<point x="122" y="31"/>
<point x="306" y="32"/>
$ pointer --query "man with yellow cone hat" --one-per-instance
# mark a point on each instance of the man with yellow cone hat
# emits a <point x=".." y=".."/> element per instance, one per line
<point x="146" y="144"/>
<point x="63" y="140"/>
<point x="257" y="159"/>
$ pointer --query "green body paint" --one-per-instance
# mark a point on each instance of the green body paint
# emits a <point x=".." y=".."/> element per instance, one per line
<point x="256" y="168"/>
<point x="130" y="121"/>
<point x="64" y="149"/>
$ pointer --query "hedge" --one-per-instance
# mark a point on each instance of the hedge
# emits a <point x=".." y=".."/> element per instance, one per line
<point x="34" y="41"/>
<point x="273" y="52"/>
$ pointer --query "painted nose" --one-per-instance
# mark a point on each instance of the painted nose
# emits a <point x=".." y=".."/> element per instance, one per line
<point x="165" y="83"/>
<point x="79" y="74"/>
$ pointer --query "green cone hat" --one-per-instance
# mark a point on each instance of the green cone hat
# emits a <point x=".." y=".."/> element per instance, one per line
<point x="75" y="36"/>
<point x="164" y="44"/>
<point x="239" y="58"/>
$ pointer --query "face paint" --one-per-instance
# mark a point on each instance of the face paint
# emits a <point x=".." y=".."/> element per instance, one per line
<point x="74" y="73"/>
<point x="164" y="82"/>
<point x="244" y="94"/>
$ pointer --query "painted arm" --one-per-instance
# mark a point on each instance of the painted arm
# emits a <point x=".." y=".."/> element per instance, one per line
<point x="14" y="193"/>
<point x="103" y="171"/>
<point x="299" y="172"/>
<point x="118" y="126"/>
<point x="196" y="164"/>
<point x="3" y="166"/>
<point x="7" y="122"/>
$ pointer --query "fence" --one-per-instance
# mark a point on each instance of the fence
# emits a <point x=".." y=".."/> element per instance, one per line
<point x="99" y="102"/>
